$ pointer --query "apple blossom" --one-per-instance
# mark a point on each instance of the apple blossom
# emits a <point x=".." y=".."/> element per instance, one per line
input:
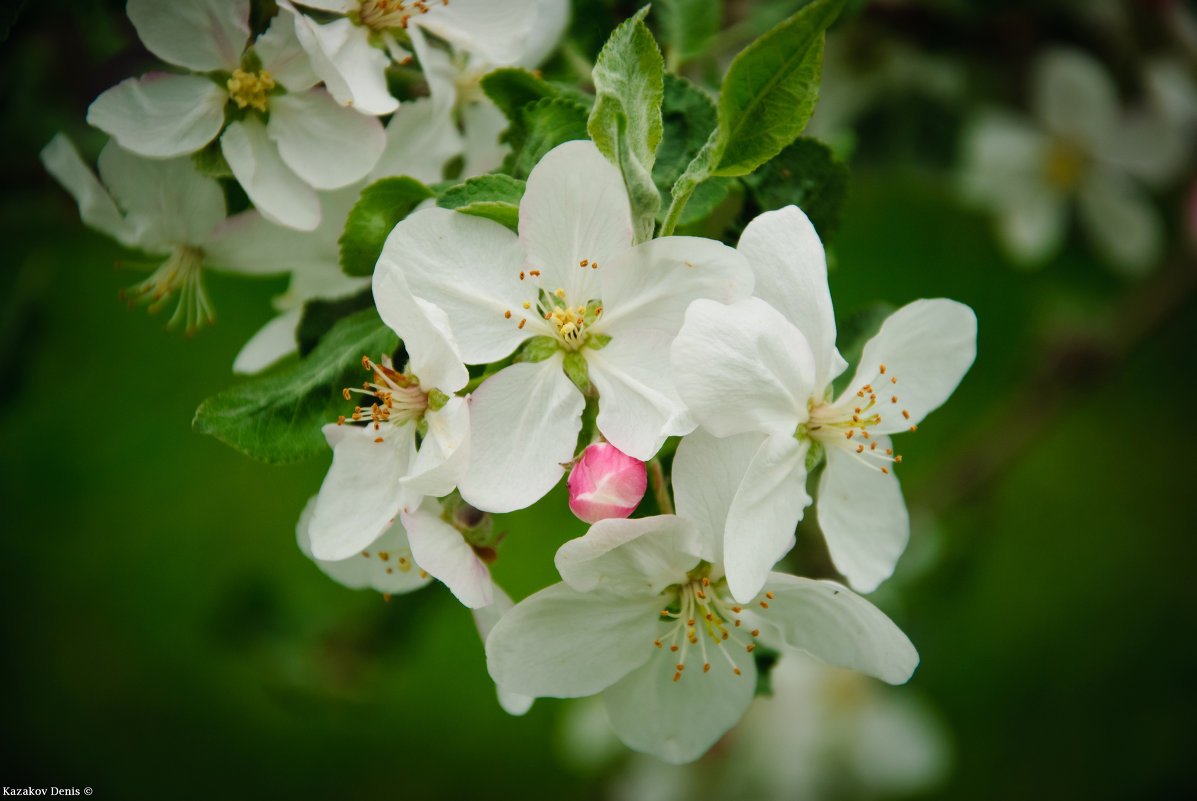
<point x="605" y="482"/>
<point x="285" y="139"/>
<point x="644" y="616"/>
<point x="165" y="208"/>
<point x="754" y="369"/>
<point x="598" y="312"/>
<point x="1079" y="146"/>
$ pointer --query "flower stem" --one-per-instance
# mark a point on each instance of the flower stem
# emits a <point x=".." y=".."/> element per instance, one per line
<point x="656" y="475"/>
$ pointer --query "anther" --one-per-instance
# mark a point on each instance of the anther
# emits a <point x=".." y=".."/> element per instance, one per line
<point x="736" y="671"/>
<point x="346" y="394"/>
<point x="677" y="676"/>
<point x="584" y="262"/>
<point x="657" y="643"/>
<point x="534" y="273"/>
<point x="737" y="622"/>
<point x="507" y="314"/>
<point x="700" y="594"/>
<point x="885" y="470"/>
<point x="341" y="420"/>
<point x="860" y="448"/>
<point x="681" y="667"/>
<point x="749" y="647"/>
<point x="673" y="648"/>
<point x="706" y="668"/>
<point x="736" y="609"/>
<point x="914" y="428"/>
<point x="755" y="632"/>
<point x="764" y="605"/>
<point x="850" y="433"/>
<point x="521" y="325"/>
<point x="706" y="582"/>
<point x="378" y="439"/>
<point x="906" y="414"/>
<point x="366" y="554"/>
<point x="883" y="369"/>
<point x="521" y="275"/>
<point x="893" y="380"/>
<point x="528" y="305"/>
<point x="769" y="595"/>
<point x="894" y="399"/>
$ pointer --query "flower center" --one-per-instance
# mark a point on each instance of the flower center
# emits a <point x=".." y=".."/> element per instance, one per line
<point x="847" y="423"/>
<point x="382" y="14"/>
<point x="182" y="273"/>
<point x="570" y="323"/>
<point x="397" y="398"/>
<point x="249" y="89"/>
<point x="395" y="560"/>
<point x="701" y="613"/>
<point x="1064" y="165"/>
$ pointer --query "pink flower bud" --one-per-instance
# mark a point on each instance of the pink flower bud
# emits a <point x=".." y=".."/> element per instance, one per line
<point x="606" y="482"/>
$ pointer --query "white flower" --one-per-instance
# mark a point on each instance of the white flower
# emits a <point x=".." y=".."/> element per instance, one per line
<point x="389" y="566"/>
<point x="644" y="617"/>
<point x="573" y="280"/>
<point x="410" y="441"/>
<point x="165" y="208"/>
<point x="344" y="56"/>
<point x="281" y="145"/>
<point x="753" y="369"/>
<point x="1079" y="146"/>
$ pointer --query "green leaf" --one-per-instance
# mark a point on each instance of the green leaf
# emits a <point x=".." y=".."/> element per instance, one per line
<point x="382" y="205"/>
<point x="277" y="417"/>
<point x="687" y="27"/>
<point x="808" y="175"/>
<point x="495" y="197"/>
<point x="688" y="115"/>
<point x="770" y="90"/>
<point x="319" y="316"/>
<point x="541" y="127"/>
<point x="625" y="123"/>
<point x="512" y="88"/>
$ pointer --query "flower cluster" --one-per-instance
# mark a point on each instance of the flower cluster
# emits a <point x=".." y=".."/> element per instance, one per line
<point x="541" y="330"/>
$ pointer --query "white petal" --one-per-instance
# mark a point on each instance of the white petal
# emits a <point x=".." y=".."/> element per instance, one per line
<point x="444" y="452"/>
<point x="361" y="495"/>
<point x="563" y="643"/>
<point x="496" y="31"/>
<point x="1122" y="221"/>
<point x="678" y="721"/>
<point x="273" y="341"/>
<point x="764" y="512"/>
<point x="178" y="205"/>
<point x="379" y="567"/>
<point x="638" y="405"/>
<point x="926" y="346"/>
<point x="440" y="549"/>
<point x="1074" y="96"/>
<point x="832" y="623"/>
<point x="339" y="6"/>
<point x="524" y="424"/>
<point x="627" y="558"/>
<point x="651" y="285"/>
<point x="161" y="115"/>
<point x="96" y="207"/>
<point x="707" y="472"/>
<point x="439" y="69"/>
<point x="863" y="517"/>
<point x="283" y="56"/>
<point x="280" y="194"/>
<point x="552" y="18"/>
<point x="790" y="266"/>
<point x="485" y="619"/>
<point x="341" y="54"/>
<point x="1032" y="225"/>
<point x="469" y="267"/>
<point x="482" y="123"/>
<point x="1003" y="155"/>
<point x="326" y="144"/>
<point x="420" y="139"/>
<point x="424" y="329"/>
<point x="574" y="208"/>
<point x="201" y="35"/>
<point x="742" y="368"/>
<point x="1149" y="146"/>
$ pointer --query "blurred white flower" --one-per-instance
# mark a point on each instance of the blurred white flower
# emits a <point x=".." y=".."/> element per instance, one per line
<point x="595" y="304"/>
<point x="165" y="208"/>
<point x="285" y="139"/>
<point x="1080" y="146"/>
<point x="826" y="734"/>
<point x="764" y="370"/>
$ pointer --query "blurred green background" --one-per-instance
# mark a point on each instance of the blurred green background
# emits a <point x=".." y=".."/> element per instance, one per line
<point x="165" y="638"/>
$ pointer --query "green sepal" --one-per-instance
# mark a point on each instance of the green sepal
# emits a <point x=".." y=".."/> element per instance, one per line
<point x="537" y="349"/>
<point x="814" y="456"/>
<point x="578" y="371"/>
<point x="379" y="209"/>
<point x="437" y="399"/>
<point x="209" y="160"/>
<point x="598" y="341"/>
<point x="277" y="417"/>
